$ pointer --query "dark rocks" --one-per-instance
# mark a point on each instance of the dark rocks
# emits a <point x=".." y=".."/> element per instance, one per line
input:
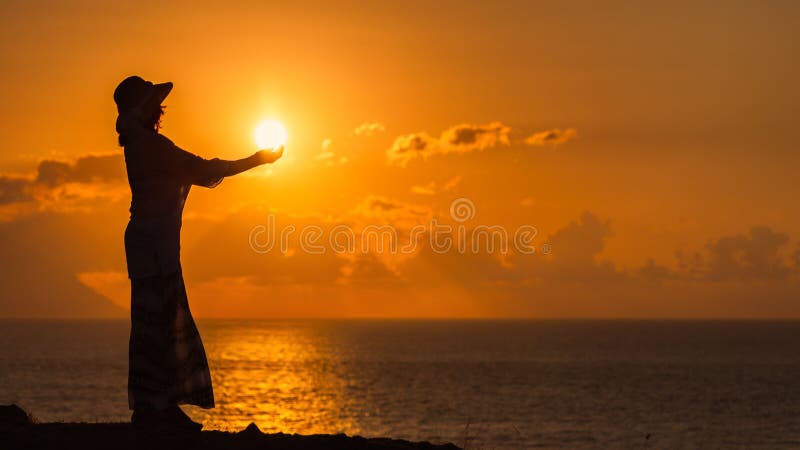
<point x="13" y="416"/>
<point x="252" y="430"/>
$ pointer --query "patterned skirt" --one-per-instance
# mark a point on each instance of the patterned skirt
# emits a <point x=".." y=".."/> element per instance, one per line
<point x="167" y="362"/>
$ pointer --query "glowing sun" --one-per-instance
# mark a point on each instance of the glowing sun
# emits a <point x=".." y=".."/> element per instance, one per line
<point x="270" y="134"/>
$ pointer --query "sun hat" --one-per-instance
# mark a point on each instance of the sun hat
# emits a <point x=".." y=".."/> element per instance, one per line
<point x="135" y="92"/>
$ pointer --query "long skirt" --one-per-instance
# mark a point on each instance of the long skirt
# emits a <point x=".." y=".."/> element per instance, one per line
<point x="167" y="362"/>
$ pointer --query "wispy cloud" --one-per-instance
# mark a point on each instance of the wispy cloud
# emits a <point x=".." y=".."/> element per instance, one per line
<point x="452" y="183"/>
<point x="426" y="189"/>
<point x="325" y="150"/>
<point x="327" y="155"/>
<point x="552" y="137"/>
<point x="369" y="129"/>
<point x="432" y="188"/>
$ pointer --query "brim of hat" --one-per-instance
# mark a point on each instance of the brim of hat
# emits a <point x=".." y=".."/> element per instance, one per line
<point x="161" y="91"/>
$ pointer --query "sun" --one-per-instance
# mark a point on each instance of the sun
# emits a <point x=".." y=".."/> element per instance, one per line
<point x="270" y="134"/>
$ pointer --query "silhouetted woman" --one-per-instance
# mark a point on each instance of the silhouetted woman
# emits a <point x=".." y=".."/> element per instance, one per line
<point x="167" y="362"/>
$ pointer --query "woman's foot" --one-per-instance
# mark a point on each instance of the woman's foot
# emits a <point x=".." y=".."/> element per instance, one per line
<point x="182" y="420"/>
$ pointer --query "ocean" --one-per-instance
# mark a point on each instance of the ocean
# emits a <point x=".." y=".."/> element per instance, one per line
<point x="494" y="384"/>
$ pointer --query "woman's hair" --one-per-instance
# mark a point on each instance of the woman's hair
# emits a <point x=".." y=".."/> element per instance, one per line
<point x="152" y="122"/>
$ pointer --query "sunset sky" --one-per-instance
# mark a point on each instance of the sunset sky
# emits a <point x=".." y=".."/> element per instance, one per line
<point x="652" y="144"/>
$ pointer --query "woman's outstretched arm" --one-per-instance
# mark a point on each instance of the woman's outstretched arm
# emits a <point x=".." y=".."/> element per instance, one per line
<point x="256" y="159"/>
<point x="193" y="169"/>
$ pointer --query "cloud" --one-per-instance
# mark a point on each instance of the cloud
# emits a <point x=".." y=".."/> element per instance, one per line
<point x="755" y="255"/>
<point x="452" y="183"/>
<point x="460" y="138"/>
<point x="466" y="137"/>
<point x="468" y="271"/>
<point x="327" y="155"/>
<point x="575" y="255"/>
<point x="64" y="186"/>
<point x="653" y="272"/>
<point x="552" y="137"/>
<point x="411" y="146"/>
<point x="432" y="189"/>
<point x="378" y="209"/>
<point x="581" y="241"/>
<point x="369" y="270"/>
<point x="85" y="169"/>
<point x="369" y="129"/>
<point x="427" y="189"/>
<point x="59" y="176"/>
<point x="325" y="152"/>
<point x="228" y="240"/>
<point x="366" y="267"/>
<point x="14" y="190"/>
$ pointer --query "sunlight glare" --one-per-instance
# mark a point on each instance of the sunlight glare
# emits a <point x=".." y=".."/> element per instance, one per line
<point x="270" y="134"/>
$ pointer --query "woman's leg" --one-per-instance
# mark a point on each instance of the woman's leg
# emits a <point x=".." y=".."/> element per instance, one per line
<point x="192" y="376"/>
<point x="150" y="371"/>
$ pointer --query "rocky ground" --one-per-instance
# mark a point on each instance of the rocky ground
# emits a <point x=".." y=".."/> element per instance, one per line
<point x="18" y="431"/>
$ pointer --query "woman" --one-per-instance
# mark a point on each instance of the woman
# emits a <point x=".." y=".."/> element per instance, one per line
<point x="167" y="362"/>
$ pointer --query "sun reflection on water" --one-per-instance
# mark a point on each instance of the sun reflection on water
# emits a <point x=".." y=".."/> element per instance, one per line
<point x="287" y="380"/>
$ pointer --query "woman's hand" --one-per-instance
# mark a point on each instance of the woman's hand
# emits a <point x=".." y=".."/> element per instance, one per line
<point x="268" y="156"/>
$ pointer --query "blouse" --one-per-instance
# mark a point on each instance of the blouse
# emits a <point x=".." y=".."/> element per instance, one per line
<point x="160" y="175"/>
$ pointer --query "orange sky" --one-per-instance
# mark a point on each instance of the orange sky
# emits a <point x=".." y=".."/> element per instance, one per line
<point x="677" y="139"/>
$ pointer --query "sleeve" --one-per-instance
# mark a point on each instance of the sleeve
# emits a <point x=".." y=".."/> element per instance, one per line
<point x="190" y="168"/>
